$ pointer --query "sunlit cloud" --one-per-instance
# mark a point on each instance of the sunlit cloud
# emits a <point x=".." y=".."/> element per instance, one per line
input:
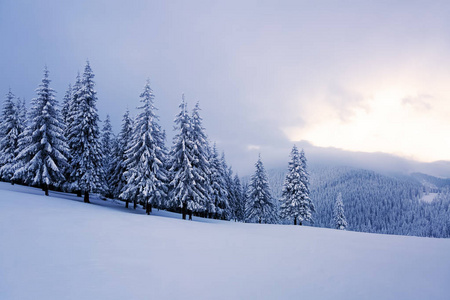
<point x="388" y="123"/>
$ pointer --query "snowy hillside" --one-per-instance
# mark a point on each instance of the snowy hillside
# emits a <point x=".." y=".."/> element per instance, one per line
<point x="378" y="203"/>
<point x="57" y="247"/>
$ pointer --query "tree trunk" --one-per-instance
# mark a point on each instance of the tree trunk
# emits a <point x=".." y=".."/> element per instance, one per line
<point x="259" y="220"/>
<point x="45" y="189"/>
<point x="190" y="215"/>
<point x="86" y="197"/>
<point x="126" y="203"/>
<point x="183" y="210"/>
<point x="295" y="221"/>
<point x="149" y="208"/>
<point x="300" y="223"/>
<point x="79" y="193"/>
<point x="134" y="204"/>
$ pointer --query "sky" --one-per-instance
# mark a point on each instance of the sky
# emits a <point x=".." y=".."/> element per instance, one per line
<point x="366" y="76"/>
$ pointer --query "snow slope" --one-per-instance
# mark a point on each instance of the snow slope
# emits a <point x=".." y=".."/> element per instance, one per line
<point x="57" y="247"/>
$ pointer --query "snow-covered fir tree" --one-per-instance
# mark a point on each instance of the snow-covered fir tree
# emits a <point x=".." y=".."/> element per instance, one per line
<point x="10" y="129"/>
<point x="146" y="175"/>
<point x="22" y="112"/>
<point x="239" y="199"/>
<point x="84" y="137"/>
<point x="305" y="180"/>
<point x="339" y="220"/>
<point x="200" y="163"/>
<point x="259" y="207"/>
<point x="71" y="132"/>
<point x="295" y="201"/>
<point x="183" y="192"/>
<point x="23" y="121"/>
<point x="228" y="211"/>
<point x="66" y="104"/>
<point x="107" y="151"/>
<point x="245" y="200"/>
<point x="43" y="159"/>
<point x="118" y="179"/>
<point x="219" y="194"/>
<point x="22" y="139"/>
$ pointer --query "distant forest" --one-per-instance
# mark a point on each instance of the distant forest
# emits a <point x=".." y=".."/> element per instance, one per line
<point x="377" y="203"/>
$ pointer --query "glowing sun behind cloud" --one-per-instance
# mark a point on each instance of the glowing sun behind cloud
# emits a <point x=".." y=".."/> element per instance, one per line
<point x="390" y="121"/>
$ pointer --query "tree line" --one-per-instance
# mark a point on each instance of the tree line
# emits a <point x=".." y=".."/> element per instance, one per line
<point x="63" y="148"/>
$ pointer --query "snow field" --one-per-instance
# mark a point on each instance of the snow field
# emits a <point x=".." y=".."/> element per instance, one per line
<point x="57" y="247"/>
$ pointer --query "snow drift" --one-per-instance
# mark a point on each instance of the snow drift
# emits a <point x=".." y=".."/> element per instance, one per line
<point x="57" y="247"/>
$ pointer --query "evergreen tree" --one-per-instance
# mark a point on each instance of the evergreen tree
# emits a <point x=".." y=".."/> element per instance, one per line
<point x="22" y="140"/>
<point x="239" y="204"/>
<point x="10" y="128"/>
<point x="200" y="163"/>
<point x="107" y="151"/>
<point x="295" y="201"/>
<point x="245" y="201"/>
<point x="22" y="115"/>
<point x="146" y="176"/>
<point x="22" y="124"/>
<point x="70" y="111"/>
<point x="118" y="179"/>
<point x="182" y="180"/>
<point x="339" y="220"/>
<point x="44" y="156"/>
<point x="305" y="180"/>
<point x="86" y="165"/>
<point x="66" y="104"/>
<point x="229" y="209"/>
<point x="219" y="194"/>
<point x="260" y="207"/>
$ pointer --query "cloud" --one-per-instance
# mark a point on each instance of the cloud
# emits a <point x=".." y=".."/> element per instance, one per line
<point x="420" y="102"/>
<point x="345" y="102"/>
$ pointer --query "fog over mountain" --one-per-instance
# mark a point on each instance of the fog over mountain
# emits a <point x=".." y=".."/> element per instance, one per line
<point x="379" y="162"/>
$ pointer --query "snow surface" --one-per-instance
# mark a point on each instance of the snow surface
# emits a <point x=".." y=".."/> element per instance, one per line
<point x="428" y="198"/>
<point x="57" y="247"/>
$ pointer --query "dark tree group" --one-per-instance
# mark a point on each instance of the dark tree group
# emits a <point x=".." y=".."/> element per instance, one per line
<point x="63" y="148"/>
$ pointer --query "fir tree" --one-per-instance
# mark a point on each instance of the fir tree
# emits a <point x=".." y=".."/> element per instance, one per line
<point x="239" y="199"/>
<point x="43" y="159"/>
<point x="200" y="163"/>
<point x="118" y="179"/>
<point x="339" y="220"/>
<point x="23" y="140"/>
<point x="66" y="104"/>
<point x="245" y="201"/>
<point x="70" y="110"/>
<point x="84" y="137"/>
<point x="260" y="207"/>
<point x="182" y="179"/>
<point x="229" y="205"/>
<point x="295" y="201"/>
<point x="146" y="175"/>
<point x="22" y="115"/>
<point x="107" y="151"/>
<point x="10" y="129"/>
<point x="219" y="194"/>
<point x="22" y="124"/>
